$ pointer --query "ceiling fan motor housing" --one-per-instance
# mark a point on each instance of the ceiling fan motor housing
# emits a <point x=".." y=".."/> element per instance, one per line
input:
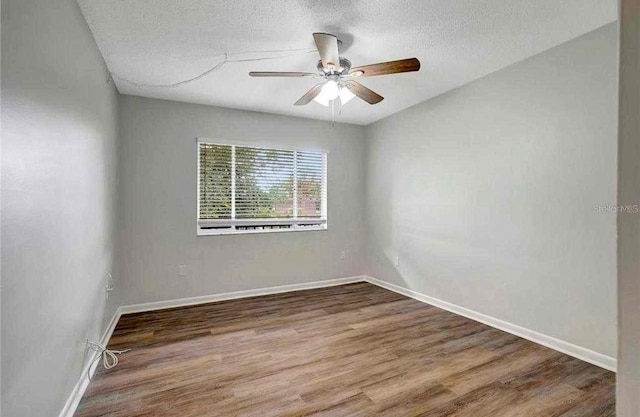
<point x="343" y="69"/>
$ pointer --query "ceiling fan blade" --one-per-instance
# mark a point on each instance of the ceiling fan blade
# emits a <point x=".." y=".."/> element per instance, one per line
<point x="328" y="49"/>
<point x="281" y="74"/>
<point x="309" y="95"/>
<point x="384" y="68"/>
<point x="363" y="92"/>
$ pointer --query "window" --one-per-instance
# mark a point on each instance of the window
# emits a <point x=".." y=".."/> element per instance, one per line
<point x="245" y="189"/>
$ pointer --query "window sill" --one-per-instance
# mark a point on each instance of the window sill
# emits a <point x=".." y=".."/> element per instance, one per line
<point x="245" y="226"/>
<point x="217" y="232"/>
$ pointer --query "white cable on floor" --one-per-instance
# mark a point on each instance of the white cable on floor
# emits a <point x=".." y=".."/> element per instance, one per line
<point x="109" y="357"/>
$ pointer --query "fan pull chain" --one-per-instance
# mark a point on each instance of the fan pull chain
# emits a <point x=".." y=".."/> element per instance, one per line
<point x="333" y="113"/>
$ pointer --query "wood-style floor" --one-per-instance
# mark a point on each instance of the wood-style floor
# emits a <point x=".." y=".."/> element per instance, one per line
<point x="352" y="350"/>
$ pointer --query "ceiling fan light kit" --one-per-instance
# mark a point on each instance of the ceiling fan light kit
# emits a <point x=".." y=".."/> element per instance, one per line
<point x="339" y="76"/>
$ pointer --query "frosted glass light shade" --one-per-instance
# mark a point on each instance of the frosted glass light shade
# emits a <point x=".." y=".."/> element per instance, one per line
<point x="321" y="100"/>
<point x="345" y="95"/>
<point x="330" y="90"/>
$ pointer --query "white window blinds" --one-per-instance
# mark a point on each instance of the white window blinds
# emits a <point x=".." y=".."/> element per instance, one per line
<point x="264" y="183"/>
<point x="310" y="184"/>
<point x="215" y="182"/>
<point x="258" y="189"/>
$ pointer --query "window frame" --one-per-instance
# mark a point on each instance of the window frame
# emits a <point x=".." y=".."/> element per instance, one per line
<point x="228" y="226"/>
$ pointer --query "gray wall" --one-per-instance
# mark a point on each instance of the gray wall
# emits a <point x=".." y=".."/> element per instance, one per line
<point x="487" y="194"/>
<point x="59" y="128"/>
<point x="628" y="383"/>
<point x="158" y="202"/>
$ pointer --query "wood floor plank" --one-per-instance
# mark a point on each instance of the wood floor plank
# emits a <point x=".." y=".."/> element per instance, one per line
<point x="351" y="350"/>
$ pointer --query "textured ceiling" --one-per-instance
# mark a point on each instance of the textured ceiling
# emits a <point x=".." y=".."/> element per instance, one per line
<point x="457" y="41"/>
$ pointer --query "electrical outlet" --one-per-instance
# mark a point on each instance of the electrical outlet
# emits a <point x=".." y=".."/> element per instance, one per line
<point x="108" y="285"/>
<point x="343" y="255"/>
<point x="397" y="261"/>
<point x="182" y="270"/>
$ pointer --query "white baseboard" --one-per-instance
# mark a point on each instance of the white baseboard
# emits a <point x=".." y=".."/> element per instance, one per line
<point x="587" y="355"/>
<point x="181" y="302"/>
<point x="83" y="382"/>
<point x="90" y="368"/>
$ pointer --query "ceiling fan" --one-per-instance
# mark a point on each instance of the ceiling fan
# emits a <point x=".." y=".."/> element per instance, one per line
<point x="339" y="76"/>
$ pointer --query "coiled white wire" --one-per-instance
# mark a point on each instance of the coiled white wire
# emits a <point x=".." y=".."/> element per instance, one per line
<point x="109" y="357"/>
